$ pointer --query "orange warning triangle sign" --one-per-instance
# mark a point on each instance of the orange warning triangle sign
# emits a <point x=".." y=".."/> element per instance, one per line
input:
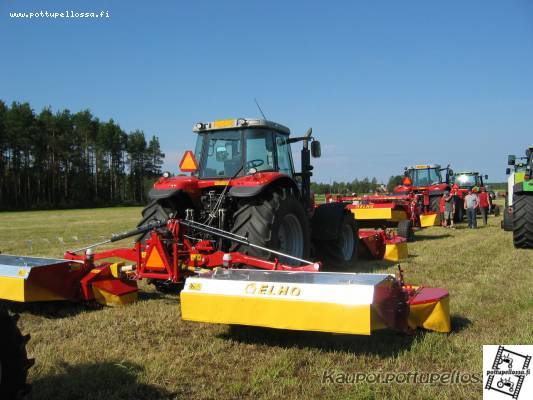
<point x="188" y="162"/>
<point x="154" y="259"/>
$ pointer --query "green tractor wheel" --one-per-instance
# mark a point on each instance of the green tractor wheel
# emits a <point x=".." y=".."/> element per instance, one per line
<point x="507" y="220"/>
<point x="523" y="221"/>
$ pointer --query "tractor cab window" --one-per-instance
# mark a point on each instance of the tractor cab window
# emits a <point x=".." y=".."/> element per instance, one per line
<point x="464" y="180"/>
<point x="284" y="155"/>
<point x="259" y="150"/>
<point x="222" y="154"/>
<point x="425" y="177"/>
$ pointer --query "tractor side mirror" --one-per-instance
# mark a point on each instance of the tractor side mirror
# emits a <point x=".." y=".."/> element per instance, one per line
<point x="507" y="171"/>
<point x="316" y="151"/>
<point x="450" y="172"/>
<point x="528" y="152"/>
<point x="486" y="177"/>
<point x="511" y="159"/>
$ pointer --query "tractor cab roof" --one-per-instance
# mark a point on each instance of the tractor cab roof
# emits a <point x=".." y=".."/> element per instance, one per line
<point x="467" y="173"/>
<point x="424" y="166"/>
<point x="239" y="123"/>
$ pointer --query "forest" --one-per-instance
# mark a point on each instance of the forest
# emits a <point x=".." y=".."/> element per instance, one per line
<point x="65" y="159"/>
<point x="362" y="186"/>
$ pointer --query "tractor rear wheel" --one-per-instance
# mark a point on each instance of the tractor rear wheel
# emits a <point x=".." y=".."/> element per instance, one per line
<point x="14" y="362"/>
<point x="523" y="221"/>
<point x="276" y="220"/>
<point x="338" y="254"/>
<point x="405" y="230"/>
<point x="154" y="211"/>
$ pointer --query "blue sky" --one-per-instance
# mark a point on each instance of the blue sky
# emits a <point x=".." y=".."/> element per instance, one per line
<point x="383" y="83"/>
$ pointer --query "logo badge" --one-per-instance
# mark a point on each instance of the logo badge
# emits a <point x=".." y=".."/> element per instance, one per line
<point x="506" y="372"/>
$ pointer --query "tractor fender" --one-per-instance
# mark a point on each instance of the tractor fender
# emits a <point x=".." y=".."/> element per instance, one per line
<point x="172" y="198"/>
<point x="157" y="194"/>
<point x="327" y="221"/>
<point x="244" y="191"/>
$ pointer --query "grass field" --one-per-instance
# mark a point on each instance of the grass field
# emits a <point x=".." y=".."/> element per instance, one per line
<point x="144" y="351"/>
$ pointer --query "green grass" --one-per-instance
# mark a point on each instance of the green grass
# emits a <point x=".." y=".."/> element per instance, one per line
<point x="144" y="351"/>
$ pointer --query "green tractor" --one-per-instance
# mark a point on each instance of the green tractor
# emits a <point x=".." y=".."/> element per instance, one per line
<point x="520" y="199"/>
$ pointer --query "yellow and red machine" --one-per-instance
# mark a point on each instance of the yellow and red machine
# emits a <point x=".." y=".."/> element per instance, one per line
<point x="402" y="211"/>
<point x="227" y="287"/>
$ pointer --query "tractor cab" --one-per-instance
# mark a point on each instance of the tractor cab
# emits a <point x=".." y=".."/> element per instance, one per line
<point x="425" y="175"/>
<point x="234" y="148"/>
<point x="426" y="179"/>
<point x="469" y="180"/>
<point x="521" y="164"/>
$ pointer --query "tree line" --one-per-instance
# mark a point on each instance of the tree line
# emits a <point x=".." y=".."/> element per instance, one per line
<point x="61" y="159"/>
<point x="365" y="185"/>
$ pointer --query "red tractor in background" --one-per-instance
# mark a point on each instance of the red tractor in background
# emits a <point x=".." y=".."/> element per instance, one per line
<point x="462" y="183"/>
<point x="243" y="181"/>
<point x="426" y="179"/>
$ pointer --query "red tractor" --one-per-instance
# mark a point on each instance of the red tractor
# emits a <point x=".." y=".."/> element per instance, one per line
<point x="426" y="179"/>
<point x="243" y="181"/>
<point x="462" y="183"/>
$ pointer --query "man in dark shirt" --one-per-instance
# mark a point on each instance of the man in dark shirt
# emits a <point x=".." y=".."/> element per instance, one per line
<point x="449" y="209"/>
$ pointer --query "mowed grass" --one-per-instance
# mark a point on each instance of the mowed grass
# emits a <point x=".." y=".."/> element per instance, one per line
<point x="145" y="351"/>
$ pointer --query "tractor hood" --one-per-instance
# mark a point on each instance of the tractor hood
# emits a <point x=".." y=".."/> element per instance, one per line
<point x="244" y="186"/>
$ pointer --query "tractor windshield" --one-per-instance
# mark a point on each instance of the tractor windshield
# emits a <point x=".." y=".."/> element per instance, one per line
<point x="224" y="154"/>
<point x="467" y="181"/>
<point x="425" y="177"/>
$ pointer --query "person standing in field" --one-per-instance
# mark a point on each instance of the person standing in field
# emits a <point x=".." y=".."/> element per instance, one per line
<point x="449" y="209"/>
<point x="441" y="211"/>
<point x="484" y="204"/>
<point x="471" y="205"/>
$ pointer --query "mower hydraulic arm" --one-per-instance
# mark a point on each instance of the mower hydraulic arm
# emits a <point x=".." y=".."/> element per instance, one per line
<point x="124" y="235"/>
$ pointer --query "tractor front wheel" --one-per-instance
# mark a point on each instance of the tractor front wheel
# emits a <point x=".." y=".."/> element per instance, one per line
<point x="14" y="362"/>
<point x="276" y="220"/>
<point x="338" y="254"/>
<point x="523" y="221"/>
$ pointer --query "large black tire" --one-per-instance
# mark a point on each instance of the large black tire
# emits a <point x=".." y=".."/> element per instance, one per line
<point x="276" y="220"/>
<point x="507" y="221"/>
<point x="14" y="362"/>
<point x="523" y="221"/>
<point x="340" y="253"/>
<point x="405" y="230"/>
<point x="154" y="211"/>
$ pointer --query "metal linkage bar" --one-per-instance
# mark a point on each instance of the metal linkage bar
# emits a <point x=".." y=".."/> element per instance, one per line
<point x="236" y="238"/>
